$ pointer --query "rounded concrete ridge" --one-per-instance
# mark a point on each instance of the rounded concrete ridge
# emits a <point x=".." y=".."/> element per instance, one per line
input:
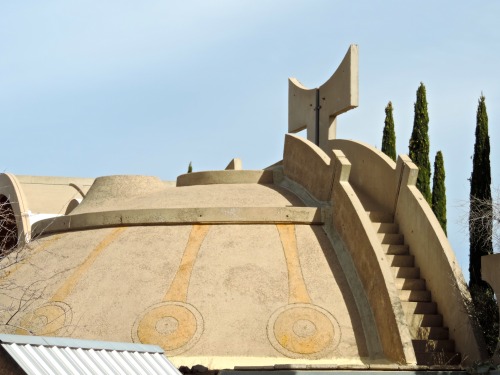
<point x="178" y="216"/>
<point x="225" y="177"/>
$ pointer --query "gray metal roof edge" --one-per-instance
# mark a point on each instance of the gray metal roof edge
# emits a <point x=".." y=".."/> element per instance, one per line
<point x="78" y="343"/>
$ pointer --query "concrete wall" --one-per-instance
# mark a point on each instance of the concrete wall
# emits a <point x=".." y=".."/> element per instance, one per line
<point x="437" y="262"/>
<point x="309" y="166"/>
<point x="355" y="228"/>
<point x="372" y="172"/>
<point x="11" y="188"/>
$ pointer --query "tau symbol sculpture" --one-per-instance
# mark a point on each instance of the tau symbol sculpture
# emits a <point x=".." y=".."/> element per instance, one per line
<point x="317" y="109"/>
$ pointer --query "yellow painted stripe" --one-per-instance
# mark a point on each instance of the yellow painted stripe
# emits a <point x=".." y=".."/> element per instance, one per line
<point x="296" y="286"/>
<point x="71" y="282"/>
<point x="179" y="287"/>
<point x="15" y="264"/>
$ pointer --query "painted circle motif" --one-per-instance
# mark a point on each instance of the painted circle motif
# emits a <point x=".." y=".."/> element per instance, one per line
<point x="175" y="326"/>
<point x="47" y="319"/>
<point x="303" y="331"/>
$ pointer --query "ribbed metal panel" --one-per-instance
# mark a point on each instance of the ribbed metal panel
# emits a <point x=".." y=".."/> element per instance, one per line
<point x="47" y="355"/>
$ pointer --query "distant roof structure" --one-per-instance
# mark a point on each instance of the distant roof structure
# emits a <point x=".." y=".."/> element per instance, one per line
<point x="54" y="355"/>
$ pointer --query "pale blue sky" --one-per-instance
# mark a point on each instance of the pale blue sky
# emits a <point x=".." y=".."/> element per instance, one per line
<point x="92" y="88"/>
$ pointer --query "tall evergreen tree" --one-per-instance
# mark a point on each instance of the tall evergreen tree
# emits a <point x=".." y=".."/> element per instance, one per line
<point x="419" y="144"/>
<point x="439" y="190"/>
<point x="389" y="136"/>
<point x="480" y="190"/>
<point x="480" y="230"/>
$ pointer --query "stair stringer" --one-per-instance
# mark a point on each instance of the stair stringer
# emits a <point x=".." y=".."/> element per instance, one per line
<point x="391" y="187"/>
<point x="437" y="262"/>
<point x="349" y="224"/>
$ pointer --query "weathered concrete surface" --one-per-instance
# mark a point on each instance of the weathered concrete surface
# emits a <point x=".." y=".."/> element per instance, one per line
<point x="372" y="173"/>
<point x="336" y="96"/>
<point x="134" y="193"/>
<point x="437" y="262"/>
<point x="53" y="194"/>
<point x="235" y="164"/>
<point x="225" y="177"/>
<point x="309" y="166"/>
<point x="490" y="265"/>
<point x="239" y="287"/>
<point x="11" y="188"/>
<point x="311" y="169"/>
<point x="392" y="189"/>
<point x="355" y="229"/>
<point x="173" y="216"/>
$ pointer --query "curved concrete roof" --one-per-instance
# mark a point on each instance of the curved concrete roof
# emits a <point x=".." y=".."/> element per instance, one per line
<point x="297" y="264"/>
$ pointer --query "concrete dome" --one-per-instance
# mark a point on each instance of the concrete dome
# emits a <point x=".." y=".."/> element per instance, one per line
<point x="293" y="264"/>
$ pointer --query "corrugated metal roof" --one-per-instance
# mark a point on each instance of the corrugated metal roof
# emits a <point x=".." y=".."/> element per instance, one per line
<point x="54" y="355"/>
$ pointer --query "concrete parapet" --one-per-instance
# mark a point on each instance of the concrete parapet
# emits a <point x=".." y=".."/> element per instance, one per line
<point x="308" y="165"/>
<point x="490" y="265"/>
<point x="172" y="216"/>
<point x="351" y="222"/>
<point x="438" y="264"/>
<point x="373" y="172"/>
<point x="11" y="189"/>
<point x="225" y="177"/>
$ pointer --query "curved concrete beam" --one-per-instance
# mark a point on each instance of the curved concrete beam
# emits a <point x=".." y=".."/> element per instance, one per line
<point x="438" y="264"/>
<point x="11" y="188"/>
<point x="185" y="216"/>
<point x="490" y="265"/>
<point x="225" y="177"/>
<point x="328" y="179"/>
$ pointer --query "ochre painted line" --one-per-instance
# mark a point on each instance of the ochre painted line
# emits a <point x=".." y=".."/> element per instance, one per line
<point x="9" y="270"/>
<point x="71" y="282"/>
<point x="179" y="287"/>
<point x="296" y="286"/>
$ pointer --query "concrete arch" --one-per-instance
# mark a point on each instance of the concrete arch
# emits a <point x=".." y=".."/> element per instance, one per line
<point x="11" y="189"/>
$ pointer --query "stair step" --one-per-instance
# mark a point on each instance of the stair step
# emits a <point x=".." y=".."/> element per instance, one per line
<point x="415" y="295"/>
<point x="401" y="260"/>
<point x="411" y="308"/>
<point x="430" y="346"/>
<point x="406" y="272"/>
<point x="425" y="320"/>
<point x="391" y="238"/>
<point x="380" y="216"/>
<point x="429" y="333"/>
<point x="438" y="358"/>
<point x="410" y="284"/>
<point x="385" y="227"/>
<point x="395" y="249"/>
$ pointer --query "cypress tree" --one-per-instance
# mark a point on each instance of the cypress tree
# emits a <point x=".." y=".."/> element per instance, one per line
<point x="480" y="191"/>
<point x="419" y="144"/>
<point x="480" y="225"/>
<point x="190" y="168"/>
<point x="439" y="191"/>
<point x="389" y="136"/>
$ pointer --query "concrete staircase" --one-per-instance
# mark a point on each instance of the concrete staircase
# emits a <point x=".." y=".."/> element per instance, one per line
<point x="430" y="338"/>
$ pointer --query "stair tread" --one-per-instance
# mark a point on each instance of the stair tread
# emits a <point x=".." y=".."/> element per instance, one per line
<point x="391" y="238"/>
<point x="390" y="249"/>
<point x="425" y="320"/>
<point x="404" y="260"/>
<point x="438" y="358"/>
<point x="432" y="346"/>
<point x="415" y="295"/>
<point x="406" y="272"/>
<point x="403" y="283"/>
<point x="430" y="333"/>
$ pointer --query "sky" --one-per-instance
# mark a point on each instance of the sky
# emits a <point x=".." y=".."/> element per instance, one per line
<point x="93" y="88"/>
